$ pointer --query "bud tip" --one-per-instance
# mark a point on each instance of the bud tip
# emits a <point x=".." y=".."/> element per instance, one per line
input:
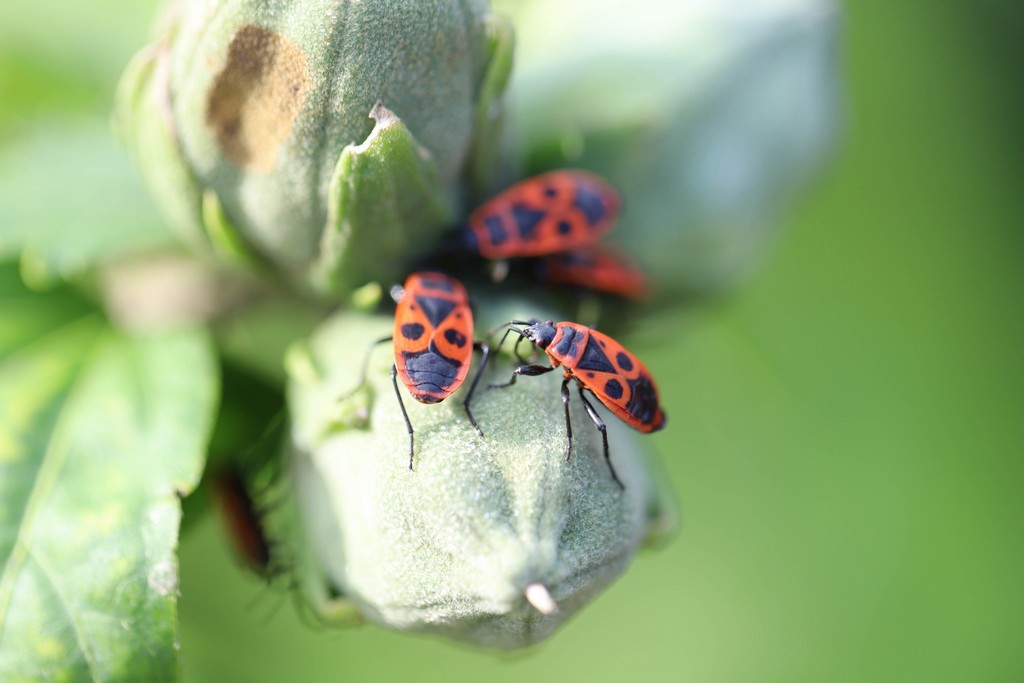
<point x="537" y="595"/>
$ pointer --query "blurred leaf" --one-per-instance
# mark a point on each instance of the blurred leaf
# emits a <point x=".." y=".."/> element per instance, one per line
<point x="62" y="59"/>
<point x="89" y="42"/>
<point x="31" y="86"/>
<point x="256" y="337"/>
<point x="100" y="432"/>
<point x="71" y="199"/>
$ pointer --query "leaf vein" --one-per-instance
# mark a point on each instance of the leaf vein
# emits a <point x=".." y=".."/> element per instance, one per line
<point x="73" y="619"/>
<point x="51" y="465"/>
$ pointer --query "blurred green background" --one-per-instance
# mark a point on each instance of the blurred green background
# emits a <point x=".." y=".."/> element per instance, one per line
<point x="847" y="428"/>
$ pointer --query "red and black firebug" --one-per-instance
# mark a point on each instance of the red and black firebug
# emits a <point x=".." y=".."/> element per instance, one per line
<point x="600" y="365"/>
<point x="545" y="214"/>
<point x="433" y="343"/>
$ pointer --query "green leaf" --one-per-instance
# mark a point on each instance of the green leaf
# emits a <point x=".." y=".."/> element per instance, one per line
<point x="100" y="433"/>
<point x="386" y="197"/>
<point x="88" y="43"/>
<point x="32" y="87"/>
<point x="69" y="200"/>
<point x="62" y="59"/>
<point x="257" y="336"/>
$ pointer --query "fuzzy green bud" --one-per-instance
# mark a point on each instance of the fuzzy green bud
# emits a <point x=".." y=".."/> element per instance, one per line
<point x="493" y="540"/>
<point x="309" y="129"/>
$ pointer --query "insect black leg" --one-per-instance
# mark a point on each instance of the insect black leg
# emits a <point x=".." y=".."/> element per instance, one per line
<point x="568" y="420"/>
<point x="528" y="370"/>
<point x="515" y="350"/>
<point x="503" y="338"/>
<point x="508" y="330"/>
<point x="599" y="423"/>
<point x="509" y="327"/>
<point x="401" y="404"/>
<point x="486" y="351"/>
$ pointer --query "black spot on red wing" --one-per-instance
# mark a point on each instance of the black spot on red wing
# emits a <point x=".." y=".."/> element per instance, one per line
<point x="468" y="239"/>
<point x="550" y="191"/>
<point x="412" y="331"/>
<point x="590" y="204"/>
<point x="526" y="220"/>
<point x="590" y="375"/>
<point x="613" y="389"/>
<point x="435" y="309"/>
<point x="566" y="346"/>
<point x="455" y="337"/>
<point x="643" y="402"/>
<point x="495" y="230"/>
<point x="564" y="227"/>
<point x="622" y="358"/>
<point x="593" y="358"/>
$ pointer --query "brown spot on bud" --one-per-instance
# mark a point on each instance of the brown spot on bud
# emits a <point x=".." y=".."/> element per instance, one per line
<point x="256" y="97"/>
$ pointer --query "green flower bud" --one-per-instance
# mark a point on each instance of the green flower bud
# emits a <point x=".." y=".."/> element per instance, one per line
<point x="296" y="134"/>
<point x="494" y="540"/>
